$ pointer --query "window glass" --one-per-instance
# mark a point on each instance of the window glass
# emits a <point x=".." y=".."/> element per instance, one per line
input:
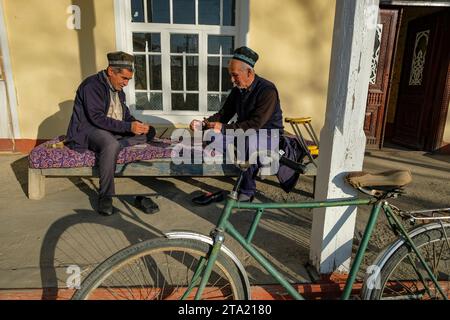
<point x="176" y="72"/>
<point x="180" y="103"/>
<point x="213" y="102"/>
<point x="152" y="101"/>
<point x="158" y="11"/>
<point x="140" y="78"/>
<point x="143" y="42"/>
<point x="216" y="101"/>
<point x="217" y="42"/>
<point x="137" y="11"/>
<point x="180" y="43"/>
<point x="226" y="80"/>
<point x="192" y="73"/>
<point x="209" y="12"/>
<point x="213" y="73"/>
<point x="184" y="11"/>
<point x="229" y="9"/>
<point x="155" y="73"/>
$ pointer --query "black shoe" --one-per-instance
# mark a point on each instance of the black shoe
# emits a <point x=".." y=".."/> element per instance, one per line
<point x="146" y="204"/>
<point x="105" y="207"/>
<point x="209" y="197"/>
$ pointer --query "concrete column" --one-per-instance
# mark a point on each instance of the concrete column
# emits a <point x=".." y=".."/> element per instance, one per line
<point x="342" y="139"/>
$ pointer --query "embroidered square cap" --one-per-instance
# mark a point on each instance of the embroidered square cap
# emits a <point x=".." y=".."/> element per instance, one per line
<point x="120" y="59"/>
<point x="247" y="55"/>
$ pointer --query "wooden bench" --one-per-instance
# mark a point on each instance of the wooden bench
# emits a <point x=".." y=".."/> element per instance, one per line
<point x="146" y="168"/>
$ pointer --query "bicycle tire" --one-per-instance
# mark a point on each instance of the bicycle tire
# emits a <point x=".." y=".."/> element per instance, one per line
<point x="397" y="279"/>
<point x="160" y="269"/>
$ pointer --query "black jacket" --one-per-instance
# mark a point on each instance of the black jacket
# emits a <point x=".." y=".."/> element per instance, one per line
<point x="91" y="106"/>
<point x="258" y="107"/>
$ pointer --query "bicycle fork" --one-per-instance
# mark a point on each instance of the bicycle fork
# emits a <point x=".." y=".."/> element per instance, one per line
<point x="206" y="264"/>
<point x="204" y="267"/>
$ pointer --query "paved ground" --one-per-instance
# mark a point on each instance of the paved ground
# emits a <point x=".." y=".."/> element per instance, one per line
<point x="40" y="239"/>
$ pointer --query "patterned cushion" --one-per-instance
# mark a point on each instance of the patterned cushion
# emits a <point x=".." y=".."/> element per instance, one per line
<point x="44" y="156"/>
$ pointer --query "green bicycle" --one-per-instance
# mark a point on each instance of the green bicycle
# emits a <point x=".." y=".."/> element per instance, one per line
<point x="187" y="265"/>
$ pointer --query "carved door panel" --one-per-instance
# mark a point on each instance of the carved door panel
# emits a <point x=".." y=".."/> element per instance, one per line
<point x="380" y="76"/>
<point x="422" y="88"/>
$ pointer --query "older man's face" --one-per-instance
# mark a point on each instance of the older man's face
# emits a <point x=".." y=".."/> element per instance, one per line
<point x="120" y="79"/>
<point x="240" y="75"/>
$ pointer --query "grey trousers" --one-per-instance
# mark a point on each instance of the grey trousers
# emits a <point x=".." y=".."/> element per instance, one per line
<point x="107" y="146"/>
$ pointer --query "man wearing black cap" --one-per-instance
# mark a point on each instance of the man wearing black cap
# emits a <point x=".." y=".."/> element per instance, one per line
<point x="257" y="105"/>
<point x="102" y="122"/>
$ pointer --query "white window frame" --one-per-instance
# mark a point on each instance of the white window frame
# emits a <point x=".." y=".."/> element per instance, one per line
<point x="124" y="30"/>
<point x="9" y="119"/>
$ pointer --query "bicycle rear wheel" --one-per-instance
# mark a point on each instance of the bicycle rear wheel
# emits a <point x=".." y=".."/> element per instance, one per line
<point x="403" y="276"/>
<point x="160" y="269"/>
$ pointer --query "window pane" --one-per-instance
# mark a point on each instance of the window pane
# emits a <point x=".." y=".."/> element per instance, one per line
<point x="226" y="80"/>
<point x="143" y="103"/>
<point x="152" y="40"/>
<point x="184" y="11"/>
<point x="192" y="73"/>
<point x="158" y="11"/>
<point x="224" y="98"/>
<point x="180" y="43"/>
<point x="213" y="74"/>
<point x="229" y="9"/>
<point x="176" y="72"/>
<point x="140" y="78"/>
<point x="213" y="102"/>
<point x="191" y="102"/>
<point x="155" y="73"/>
<point x="137" y="11"/>
<point x="209" y="12"/>
<point x="215" y="42"/>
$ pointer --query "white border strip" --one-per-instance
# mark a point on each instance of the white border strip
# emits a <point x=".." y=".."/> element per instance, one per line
<point x="415" y="3"/>
<point x="10" y="88"/>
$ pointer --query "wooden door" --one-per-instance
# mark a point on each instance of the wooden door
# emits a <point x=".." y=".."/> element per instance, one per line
<point x="380" y="76"/>
<point x="419" y="113"/>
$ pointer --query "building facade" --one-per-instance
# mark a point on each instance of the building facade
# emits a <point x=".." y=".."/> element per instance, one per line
<point x="182" y="48"/>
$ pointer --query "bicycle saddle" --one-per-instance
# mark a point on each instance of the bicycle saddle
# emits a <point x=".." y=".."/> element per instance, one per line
<point x="391" y="179"/>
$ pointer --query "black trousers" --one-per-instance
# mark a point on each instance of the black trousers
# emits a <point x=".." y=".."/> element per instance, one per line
<point x="107" y="146"/>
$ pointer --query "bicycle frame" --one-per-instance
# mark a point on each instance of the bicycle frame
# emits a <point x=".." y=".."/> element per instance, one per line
<point x="224" y="226"/>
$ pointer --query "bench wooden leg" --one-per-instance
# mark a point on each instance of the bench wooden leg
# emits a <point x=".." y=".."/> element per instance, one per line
<point x="36" y="184"/>
<point x="314" y="187"/>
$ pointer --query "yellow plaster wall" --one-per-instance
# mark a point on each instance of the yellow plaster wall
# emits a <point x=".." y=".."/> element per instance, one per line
<point x="293" y="39"/>
<point x="49" y="60"/>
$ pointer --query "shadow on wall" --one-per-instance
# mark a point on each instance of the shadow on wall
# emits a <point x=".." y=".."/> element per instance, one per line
<point x="56" y="124"/>
<point x="86" y="41"/>
<point x="303" y="37"/>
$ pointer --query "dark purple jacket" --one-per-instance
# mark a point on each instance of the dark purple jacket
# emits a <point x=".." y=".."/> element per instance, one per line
<point x="89" y="112"/>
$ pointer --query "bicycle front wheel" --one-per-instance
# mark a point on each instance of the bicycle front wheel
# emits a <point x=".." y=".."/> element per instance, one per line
<point x="160" y="269"/>
<point x="403" y="276"/>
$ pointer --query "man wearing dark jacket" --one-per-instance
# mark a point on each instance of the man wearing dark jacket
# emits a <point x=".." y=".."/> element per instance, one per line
<point x="256" y="102"/>
<point x="102" y="122"/>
